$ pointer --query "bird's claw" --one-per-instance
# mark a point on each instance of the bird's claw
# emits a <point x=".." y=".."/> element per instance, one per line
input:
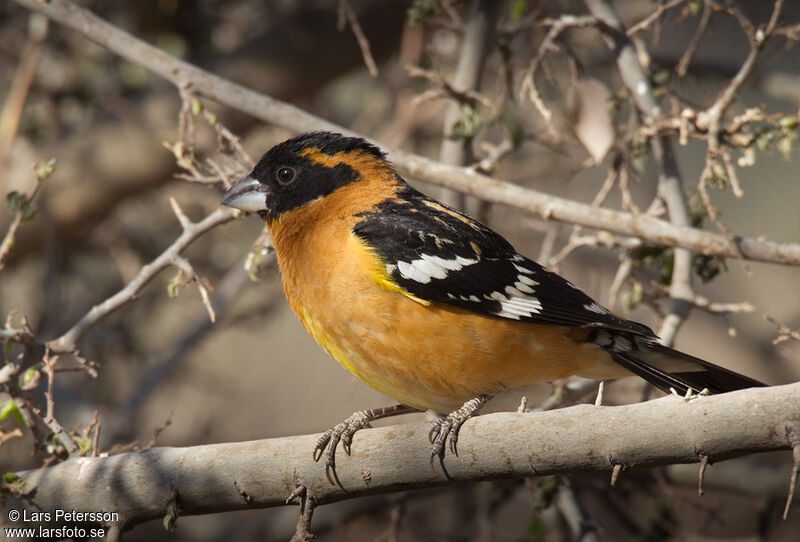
<point x="341" y="433"/>
<point x="444" y="431"/>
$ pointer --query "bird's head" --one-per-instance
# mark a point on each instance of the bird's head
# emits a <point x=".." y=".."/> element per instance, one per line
<point x="305" y="169"/>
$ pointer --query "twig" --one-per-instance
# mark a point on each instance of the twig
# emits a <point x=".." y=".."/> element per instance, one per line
<point x="691" y="47"/>
<point x="464" y="179"/>
<point x="43" y="171"/>
<point x="701" y="474"/>
<point x="557" y="27"/>
<point x="96" y="424"/>
<point x="192" y="231"/>
<point x="622" y="274"/>
<point x="232" y="139"/>
<point x="49" y="418"/>
<point x="702" y="188"/>
<point x="307" y="505"/>
<point x="347" y="15"/>
<point x="466" y="97"/>
<point x="758" y="38"/>
<point x="657" y="13"/>
<point x="714" y="307"/>
<point x="5" y="436"/>
<point x="20" y="85"/>
<point x="793" y="436"/>
<point x="670" y="183"/>
<point x="476" y="44"/>
<point x="582" y="526"/>
<point x="784" y="332"/>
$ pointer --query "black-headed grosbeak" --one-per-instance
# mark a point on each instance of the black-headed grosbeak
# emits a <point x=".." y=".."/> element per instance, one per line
<point x="424" y="303"/>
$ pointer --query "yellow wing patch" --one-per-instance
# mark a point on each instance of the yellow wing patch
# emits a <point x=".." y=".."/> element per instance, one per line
<point x="375" y="268"/>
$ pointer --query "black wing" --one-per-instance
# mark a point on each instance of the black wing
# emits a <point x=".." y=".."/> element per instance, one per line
<point x="438" y="254"/>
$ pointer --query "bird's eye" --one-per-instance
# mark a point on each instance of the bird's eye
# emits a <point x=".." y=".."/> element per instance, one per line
<point x="285" y="175"/>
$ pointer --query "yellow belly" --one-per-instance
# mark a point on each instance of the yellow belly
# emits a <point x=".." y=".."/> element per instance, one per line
<point x="394" y="350"/>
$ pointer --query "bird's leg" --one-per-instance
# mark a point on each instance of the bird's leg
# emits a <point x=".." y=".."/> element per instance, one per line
<point x="344" y="432"/>
<point x="450" y="425"/>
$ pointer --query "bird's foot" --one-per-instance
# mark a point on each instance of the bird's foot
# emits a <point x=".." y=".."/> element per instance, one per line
<point x="445" y="430"/>
<point x="343" y="433"/>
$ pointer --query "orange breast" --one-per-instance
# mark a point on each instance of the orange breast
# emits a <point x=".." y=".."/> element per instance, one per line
<point x="431" y="356"/>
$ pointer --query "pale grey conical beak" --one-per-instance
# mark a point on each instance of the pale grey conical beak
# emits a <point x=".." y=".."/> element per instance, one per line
<point x="246" y="194"/>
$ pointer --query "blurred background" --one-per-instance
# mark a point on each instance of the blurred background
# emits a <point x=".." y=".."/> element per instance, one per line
<point x="166" y="375"/>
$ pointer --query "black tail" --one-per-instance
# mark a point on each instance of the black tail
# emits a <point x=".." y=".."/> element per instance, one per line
<point x="667" y="369"/>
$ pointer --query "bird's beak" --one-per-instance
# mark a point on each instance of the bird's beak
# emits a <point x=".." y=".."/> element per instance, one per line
<point x="246" y="194"/>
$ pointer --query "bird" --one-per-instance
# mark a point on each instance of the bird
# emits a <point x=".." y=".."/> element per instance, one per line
<point x="426" y="304"/>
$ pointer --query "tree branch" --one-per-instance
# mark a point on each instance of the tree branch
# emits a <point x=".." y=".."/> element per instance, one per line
<point x="475" y="48"/>
<point x="68" y="342"/>
<point x="191" y="231"/>
<point x="466" y="180"/>
<point x="214" y="478"/>
<point x="670" y="183"/>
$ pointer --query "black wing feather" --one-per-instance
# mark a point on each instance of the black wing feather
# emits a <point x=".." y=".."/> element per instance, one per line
<point x="413" y="227"/>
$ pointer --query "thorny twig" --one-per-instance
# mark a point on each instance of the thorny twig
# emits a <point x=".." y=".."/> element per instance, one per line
<point x="307" y="502"/>
<point x="191" y="232"/>
<point x="548" y="45"/>
<point x="186" y="268"/>
<point x="691" y="47"/>
<point x="714" y="307"/>
<point x="657" y="13"/>
<point x="443" y="89"/>
<point x="229" y="145"/>
<point x="24" y="207"/>
<point x="784" y="332"/>
<point x="793" y="436"/>
<point x="711" y="118"/>
<point x="49" y="419"/>
<point x="17" y="96"/>
<point x="468" y="180"/>
<point x="348" y="16"/>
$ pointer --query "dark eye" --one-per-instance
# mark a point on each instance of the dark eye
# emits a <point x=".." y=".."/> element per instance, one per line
<point x="285" y="175"/>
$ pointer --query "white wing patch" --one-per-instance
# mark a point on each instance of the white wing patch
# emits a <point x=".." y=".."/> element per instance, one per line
<point x="524" y="284"/>
<point x="522" y="269"/>
<point x="429" y="267"/>
<point x="595" y="307"/>
<point x="516" y="305"/>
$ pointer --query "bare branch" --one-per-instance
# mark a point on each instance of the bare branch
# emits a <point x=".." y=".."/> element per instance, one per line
<point x="793" y="436"/>
<point x="670" y="183"/>
<point x="758" y="38"/>
<point x="49" y="418"/>
<point x="476" y="45"/>
<point x="68" y="341"/>
<point x="504" y="445"/>
<point x="688" y="54"/>
<point x="784" y="332"/>
<point x="657" y="13"/>
<point x="11" y="113"/>
<point x="548" y="45"/>
<point x="348" y="16"/>
<point x="43" y="171"/>
<point x="581" y="524"/>
<point x="467" y="180"/>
